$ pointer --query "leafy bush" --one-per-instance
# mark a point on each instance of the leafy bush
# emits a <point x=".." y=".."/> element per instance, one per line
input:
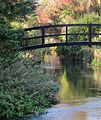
<point x="24" y="90"/>
<point x="10" y="41"/>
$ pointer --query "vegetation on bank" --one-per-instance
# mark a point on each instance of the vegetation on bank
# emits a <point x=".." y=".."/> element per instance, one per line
<point x="97" y="58"/>
<point x="24" y="89"/>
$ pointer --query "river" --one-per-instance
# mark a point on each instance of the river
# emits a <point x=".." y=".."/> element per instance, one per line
<point x="79" y="95"/>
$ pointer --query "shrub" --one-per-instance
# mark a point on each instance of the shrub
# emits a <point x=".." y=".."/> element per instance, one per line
<point x="24" y="89"/>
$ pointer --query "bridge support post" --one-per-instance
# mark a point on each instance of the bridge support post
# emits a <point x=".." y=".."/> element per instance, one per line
<point x="90" y="35"/>
<point x="66" y="35"/>
<point x="43" y="35"/>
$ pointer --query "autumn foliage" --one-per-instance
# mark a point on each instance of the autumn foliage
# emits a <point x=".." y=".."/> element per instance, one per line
<point x="51" y="12"/>
<point x="42" y="16"/>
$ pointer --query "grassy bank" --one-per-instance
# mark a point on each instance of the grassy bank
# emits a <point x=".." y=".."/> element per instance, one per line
<point x="24" y="89"/>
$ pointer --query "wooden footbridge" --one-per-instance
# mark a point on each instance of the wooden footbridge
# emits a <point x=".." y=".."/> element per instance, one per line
<point x="91" y="36"/>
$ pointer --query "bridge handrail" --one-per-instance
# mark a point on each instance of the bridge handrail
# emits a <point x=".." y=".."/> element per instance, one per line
<point x="43" y="35"/>
<point x="60" y="25"/>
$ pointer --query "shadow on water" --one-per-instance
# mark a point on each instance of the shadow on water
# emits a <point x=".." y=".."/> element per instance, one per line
<point x="79" y="95"/>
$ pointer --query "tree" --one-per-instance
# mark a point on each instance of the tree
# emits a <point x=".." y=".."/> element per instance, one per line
<point x="48" y="11"/>
<point x="42" y="16"/>
<point x="12" y="10"/>
<point x="95" y="6"/>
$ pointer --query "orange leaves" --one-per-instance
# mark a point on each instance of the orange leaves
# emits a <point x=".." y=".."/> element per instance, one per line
<point x="51" y="11"/>
<point x="67" y="1"/>
<point x="42" y="16"/>
<point x="45" y="14"/>
<point x="83" y="6"/>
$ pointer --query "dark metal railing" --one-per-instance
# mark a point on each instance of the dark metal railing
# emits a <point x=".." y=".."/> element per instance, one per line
<point x="90" y="35"/>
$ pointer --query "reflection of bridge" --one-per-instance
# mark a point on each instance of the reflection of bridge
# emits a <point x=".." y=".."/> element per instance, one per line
<point x="93" y="30"/>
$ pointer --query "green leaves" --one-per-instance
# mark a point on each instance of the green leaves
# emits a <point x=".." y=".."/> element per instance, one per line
<point x="21" y="93"/>
<point x="11" y="9"/>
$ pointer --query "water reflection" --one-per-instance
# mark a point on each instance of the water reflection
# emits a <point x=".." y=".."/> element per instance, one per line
<point x="79" y="95"/>
<point x="52" y="65"/>
<point x="97" y="75"/>
<point x="79" y="82"/>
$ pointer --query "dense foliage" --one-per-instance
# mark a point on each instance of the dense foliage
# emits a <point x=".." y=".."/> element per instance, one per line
<point x="16" y="9"/>
<point x="24" y="90"/>
<point x="24" y="86"/>
<point x="10" y="12"/>
<point x="65" y="11"/>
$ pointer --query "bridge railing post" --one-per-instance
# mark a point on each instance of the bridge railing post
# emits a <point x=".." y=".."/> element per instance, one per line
<point x="66" y="35"/>
<point x="90" y="34"/>
<point x="43" y="35"/>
